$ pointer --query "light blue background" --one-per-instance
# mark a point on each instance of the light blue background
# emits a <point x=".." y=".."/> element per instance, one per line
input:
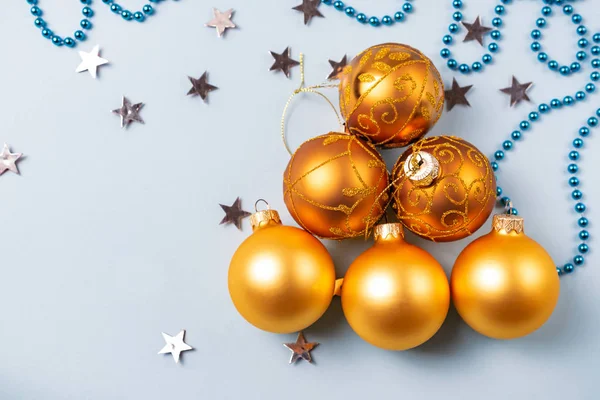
<point x="111" y="236"/>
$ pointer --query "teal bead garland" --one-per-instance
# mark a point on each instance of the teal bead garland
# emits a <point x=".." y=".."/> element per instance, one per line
<point x="387" y="20"/>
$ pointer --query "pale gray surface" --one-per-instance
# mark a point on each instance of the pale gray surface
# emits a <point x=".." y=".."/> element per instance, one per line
<point x="110" y="236"/>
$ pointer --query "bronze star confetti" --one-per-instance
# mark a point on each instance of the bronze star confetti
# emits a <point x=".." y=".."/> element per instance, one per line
<point x="310" y="9"/>
<point x="283" y="62"/>
<point x="517" y="91"/>
<point x="200" y="87"/>
<point x="8" y="160"/>
<point x="234" y="214"/>
<point x="221" y="21"/>
<point x="337" y="67"/>
<point x="475" y="31"/>
<point x="301" y="349"/>
<point x="129" y="112"/>
<point x="456" y="95"/>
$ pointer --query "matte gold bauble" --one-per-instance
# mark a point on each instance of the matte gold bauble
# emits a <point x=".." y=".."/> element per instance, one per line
<point x="391" y="94"/>
<point x="444" y="188"/>
<point x="395" y="295"/>
<point x="281" y="279"/>
<point x="504" y="284"/>
<point x="335" y="186"/>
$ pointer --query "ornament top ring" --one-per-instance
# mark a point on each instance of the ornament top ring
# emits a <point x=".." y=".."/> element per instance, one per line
<point x="391" y="94"/>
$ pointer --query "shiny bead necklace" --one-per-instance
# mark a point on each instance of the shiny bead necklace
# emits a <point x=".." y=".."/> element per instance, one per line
<point x="454" y="28"/>
<point x="85" y="23"/>
<point x="387" y="20"/>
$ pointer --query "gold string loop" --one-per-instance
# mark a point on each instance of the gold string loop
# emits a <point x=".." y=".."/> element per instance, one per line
<point x="307" y="89"/>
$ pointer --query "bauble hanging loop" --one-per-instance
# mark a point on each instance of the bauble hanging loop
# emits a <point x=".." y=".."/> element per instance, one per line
<point x="281" y="278"/>
<point x="395" y="295"/>
<point x="504" y="284"/>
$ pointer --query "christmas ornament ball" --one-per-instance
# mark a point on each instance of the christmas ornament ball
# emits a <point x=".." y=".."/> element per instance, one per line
<point x="504" y="284"/>
<point x="395" y="295"/>
<point x="444" y="188"/>
<point x="281" y="278"/>
<point x="335" y="186"/>
<point x="391" y="94"/>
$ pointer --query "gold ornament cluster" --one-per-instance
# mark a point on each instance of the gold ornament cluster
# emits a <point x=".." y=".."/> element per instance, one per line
<point x="336" y="186"/>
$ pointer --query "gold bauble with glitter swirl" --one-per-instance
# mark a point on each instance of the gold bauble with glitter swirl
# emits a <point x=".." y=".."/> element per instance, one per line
<point x="391" y="94"/>
<point x="281" y="278"/>
<point x="395" y="295"/>
<point x="444" y="188"/>
<point x="504" y="284"/>
<point x="335" y="186"/>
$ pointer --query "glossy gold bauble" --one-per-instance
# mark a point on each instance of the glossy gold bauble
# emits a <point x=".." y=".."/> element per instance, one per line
<point x="391" y="94"/>
<point x="281" y="279"/>
<point x="444" y="188"/>
<point x="335" y="186"/>
<point x="504" y="284"/>
<point x="395" y="295"/>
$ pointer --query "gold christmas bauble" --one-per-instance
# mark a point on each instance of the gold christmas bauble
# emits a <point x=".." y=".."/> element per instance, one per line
<point x="395" y="295"/>
<point x="391" y="94"/>
<point x="504" y="284"/>
<point x="281" y="278"/>
<point x="335" y="186"/>
<point x="444" y="188"/>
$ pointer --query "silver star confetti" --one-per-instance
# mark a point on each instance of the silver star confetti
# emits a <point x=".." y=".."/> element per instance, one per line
<point x="310" y="9"/>
<point x="201" y="87"/>
<point x="283" y="62"/>
<point x="456" y="95"/>
<point x="301" y="349"/>
<point x="221" y="21"/>
<point x="517" y="91"/>
<point x="475" y="31"/>
<point x="91" y="61"/>
<point x="8" y="160"/>
<point x="175" y="345"/>
<point x="129" y="112"/>
<point x="337" y="67"/>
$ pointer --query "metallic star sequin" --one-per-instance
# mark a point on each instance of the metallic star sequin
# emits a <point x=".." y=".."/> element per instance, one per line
<point x="8" y="160"/>
<point x="310" y="8"/>
<point x="221" y="21"/>
<point x="283" y="62"/>
<point x="175" y="345"/>
<point x="91" y="61"/>
<point x="475" y="31"/>
<point x="301" y="349"/>
<point x="201" y="87"/>
<point x="517" y="91"/>
<point x="337" y="67"/>
<point x="234" y="214"/>
<point x="129" y="112"/>
<point x="456" y="95"/>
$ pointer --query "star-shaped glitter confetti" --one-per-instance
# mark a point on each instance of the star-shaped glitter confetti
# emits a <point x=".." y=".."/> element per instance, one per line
<point x="91" y="61"/>
<point x="517" y="91"/>
<point x="8" y="160"/>
<point x="456" y="95"/>
<point x="175" y="345"/>
<point x="234" y="214"/>
<point x="337" y="67"/>
<point x="310" y="8"/>
<point x="301" y="349"/>
<point x="475" y="31"/>
<point x="129" y="112"/>
<point x="283" y="62"/>
<point x="221" y="21"/>
<point x="201" y="87"/>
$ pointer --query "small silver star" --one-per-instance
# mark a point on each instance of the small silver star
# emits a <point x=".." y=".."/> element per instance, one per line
<point x="175" y="345"/>
<point x="201" y="87"/>
<point x="283" y="62"/>
<point x="337" y="67"/>
<point x="129" y="112"/>
<point x="310" y="9"/>
<point x="517" y="91"/>
<point x="475" y="31"/>
<point x="91" y="61"/>
<point x="301" y="349"/>
<point x="221" y="21"/>
<point x="8" y="160"/>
